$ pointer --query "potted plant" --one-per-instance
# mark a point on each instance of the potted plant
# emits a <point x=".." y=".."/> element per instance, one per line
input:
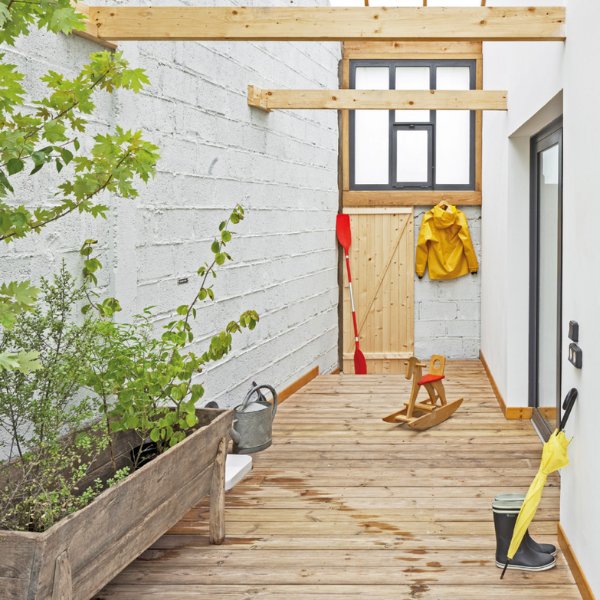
<point x="102" y="448"/>
<point x="107" y="449"/>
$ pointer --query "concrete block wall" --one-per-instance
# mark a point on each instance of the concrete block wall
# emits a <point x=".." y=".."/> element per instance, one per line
<point x="215" y="152"/>
<point x="447" y="313"/>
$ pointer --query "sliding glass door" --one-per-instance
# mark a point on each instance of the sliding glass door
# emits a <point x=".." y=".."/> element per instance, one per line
<point x="546" y="277"/>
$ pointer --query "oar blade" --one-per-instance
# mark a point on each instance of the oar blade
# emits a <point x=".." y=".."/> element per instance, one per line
<point x="342" y="228"/>
<point x="360" y="362"/>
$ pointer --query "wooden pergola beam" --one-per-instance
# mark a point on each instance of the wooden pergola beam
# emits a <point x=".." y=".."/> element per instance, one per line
<point x="376" y="99"/>
<point x="235" y="23"/>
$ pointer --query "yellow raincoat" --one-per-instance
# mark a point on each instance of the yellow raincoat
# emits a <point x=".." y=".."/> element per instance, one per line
<point x="444" y="244"/>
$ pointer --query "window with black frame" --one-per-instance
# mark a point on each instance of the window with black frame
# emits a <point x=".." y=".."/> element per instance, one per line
<point x="412" y="149"/>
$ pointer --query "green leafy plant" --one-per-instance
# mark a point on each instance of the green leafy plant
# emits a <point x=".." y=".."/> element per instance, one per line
<point x="50" y="134"/>
<point x="48" y="427"/>
<point x="145" y="382"/>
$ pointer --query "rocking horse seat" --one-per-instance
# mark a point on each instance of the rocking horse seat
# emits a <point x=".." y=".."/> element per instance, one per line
<point x="429" y="379"/>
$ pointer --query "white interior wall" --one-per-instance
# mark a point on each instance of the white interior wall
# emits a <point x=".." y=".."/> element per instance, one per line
<point x="215" y="152"/>
<point x="580" y="484"/>
<point x="534" y="75"/>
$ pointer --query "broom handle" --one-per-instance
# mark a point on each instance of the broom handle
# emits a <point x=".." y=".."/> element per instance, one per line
<point x="352" y="300"/>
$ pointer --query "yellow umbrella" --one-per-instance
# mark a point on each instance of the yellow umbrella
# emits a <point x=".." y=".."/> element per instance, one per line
<point x="554" y="457"/>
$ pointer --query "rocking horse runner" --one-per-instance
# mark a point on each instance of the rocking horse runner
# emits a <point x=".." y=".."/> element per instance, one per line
<point x="434" y="410"/>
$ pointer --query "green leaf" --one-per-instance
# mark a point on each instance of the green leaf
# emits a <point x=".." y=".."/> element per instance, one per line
<point x="191" y="419"/>
<point x="14" y="165"/>
<point x="28" y="361"/>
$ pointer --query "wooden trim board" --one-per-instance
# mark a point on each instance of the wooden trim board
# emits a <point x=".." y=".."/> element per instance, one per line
<point x="511" y="413"/>
<point x="268" y="99"/>
<point x="580" y="579"/>
<point x="298" y="384"/>
<point x="326" y="23"/>
<point x="396" y="49"/>
<point x="408" y="198"/>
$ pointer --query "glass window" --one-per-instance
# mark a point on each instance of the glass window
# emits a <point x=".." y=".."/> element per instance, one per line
<point x="413" y="78"/>
<point x="412" y="155"/>
<point x="372" y="131"/>
<point x="412" y="149"/>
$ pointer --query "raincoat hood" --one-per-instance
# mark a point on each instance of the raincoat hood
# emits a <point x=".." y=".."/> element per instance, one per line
<point x="444" y="218"/>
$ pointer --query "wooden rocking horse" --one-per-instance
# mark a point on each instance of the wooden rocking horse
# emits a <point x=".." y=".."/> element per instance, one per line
<point x="434" y="410"/>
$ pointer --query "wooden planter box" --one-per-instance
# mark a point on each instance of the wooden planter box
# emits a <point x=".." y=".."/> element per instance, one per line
<point x="79" y="555"/>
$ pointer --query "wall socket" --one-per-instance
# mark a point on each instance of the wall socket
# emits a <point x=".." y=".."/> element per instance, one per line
<point x="575" y="355"/>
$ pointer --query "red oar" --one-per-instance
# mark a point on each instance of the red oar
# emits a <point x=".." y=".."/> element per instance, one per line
<point x="344" y="237"/>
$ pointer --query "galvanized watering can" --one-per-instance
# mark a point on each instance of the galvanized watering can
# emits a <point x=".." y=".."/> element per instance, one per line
<point x="253" y="421"/>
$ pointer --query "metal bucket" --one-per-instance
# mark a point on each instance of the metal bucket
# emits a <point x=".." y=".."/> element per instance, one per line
<point x="253" y="421"/>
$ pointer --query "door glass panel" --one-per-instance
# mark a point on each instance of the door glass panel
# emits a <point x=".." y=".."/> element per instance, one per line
<point x="548" y="304"/>
<point x="412" y="78"/>
<point x="412" y="156"/>
<point x="371" y="131"/>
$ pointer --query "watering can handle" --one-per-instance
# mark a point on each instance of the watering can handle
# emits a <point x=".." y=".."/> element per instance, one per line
<point x="257" y="388"/>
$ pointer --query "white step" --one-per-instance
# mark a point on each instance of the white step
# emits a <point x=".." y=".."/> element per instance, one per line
<point x="237" y="466"/>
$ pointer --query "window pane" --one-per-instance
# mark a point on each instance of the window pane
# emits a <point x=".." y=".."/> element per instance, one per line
<point x="453" y="78"/>
<point x="452" y="147"/>
<point x="372" y="78"/>
<point x="371" y="147"/>
<point x="411" y="160"/>
<point x="371" y="131"/>
<point x="412" y="78"/>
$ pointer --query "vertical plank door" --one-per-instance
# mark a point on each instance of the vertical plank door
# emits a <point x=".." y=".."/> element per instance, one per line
<point x="382" y="262"/>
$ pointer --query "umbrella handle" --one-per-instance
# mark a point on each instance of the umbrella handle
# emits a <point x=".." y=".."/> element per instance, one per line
<point x="567" y="406"/>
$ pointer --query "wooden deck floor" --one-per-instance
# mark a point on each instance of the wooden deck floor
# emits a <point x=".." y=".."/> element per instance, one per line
<point x="344" y="506"/>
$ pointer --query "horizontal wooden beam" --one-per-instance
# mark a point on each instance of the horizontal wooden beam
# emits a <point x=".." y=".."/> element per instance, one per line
<point x="408" y="198"/>
<point x="376" y="99"/>
<point x="325" y="23"/>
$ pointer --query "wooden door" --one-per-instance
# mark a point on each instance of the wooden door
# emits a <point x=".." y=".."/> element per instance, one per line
<point x="382" y="263"/>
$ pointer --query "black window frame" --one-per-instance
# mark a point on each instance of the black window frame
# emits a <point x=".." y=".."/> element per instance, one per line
<point x="393" y="125"/>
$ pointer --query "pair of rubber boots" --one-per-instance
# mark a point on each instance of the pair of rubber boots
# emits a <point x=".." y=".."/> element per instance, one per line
<point x="530" y="556"/>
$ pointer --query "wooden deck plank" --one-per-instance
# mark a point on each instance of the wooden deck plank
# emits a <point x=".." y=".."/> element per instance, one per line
<point x="344" y="505"/>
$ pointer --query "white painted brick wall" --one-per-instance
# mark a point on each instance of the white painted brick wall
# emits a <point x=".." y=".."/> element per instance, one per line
<point x="447" y="313"/>
<point x="216" y="152"/>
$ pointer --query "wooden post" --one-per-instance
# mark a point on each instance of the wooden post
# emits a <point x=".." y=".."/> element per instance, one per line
<point x="62" y="588"/>
<point x="217" y="496"/>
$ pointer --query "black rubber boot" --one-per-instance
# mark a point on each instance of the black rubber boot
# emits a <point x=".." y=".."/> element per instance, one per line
<point x="525" y="559"/>
<point x="513" y="501"/>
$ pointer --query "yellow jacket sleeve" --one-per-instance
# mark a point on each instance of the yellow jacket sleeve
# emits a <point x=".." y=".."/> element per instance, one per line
<point x="423" y="246"/>
<point x="465" y="237"/>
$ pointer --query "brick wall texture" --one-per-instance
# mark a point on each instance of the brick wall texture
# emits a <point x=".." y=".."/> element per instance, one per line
<point x="215" y="152"/>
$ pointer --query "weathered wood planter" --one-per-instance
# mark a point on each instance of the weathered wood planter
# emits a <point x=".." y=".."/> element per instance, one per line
<point x="78" y="556"/>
